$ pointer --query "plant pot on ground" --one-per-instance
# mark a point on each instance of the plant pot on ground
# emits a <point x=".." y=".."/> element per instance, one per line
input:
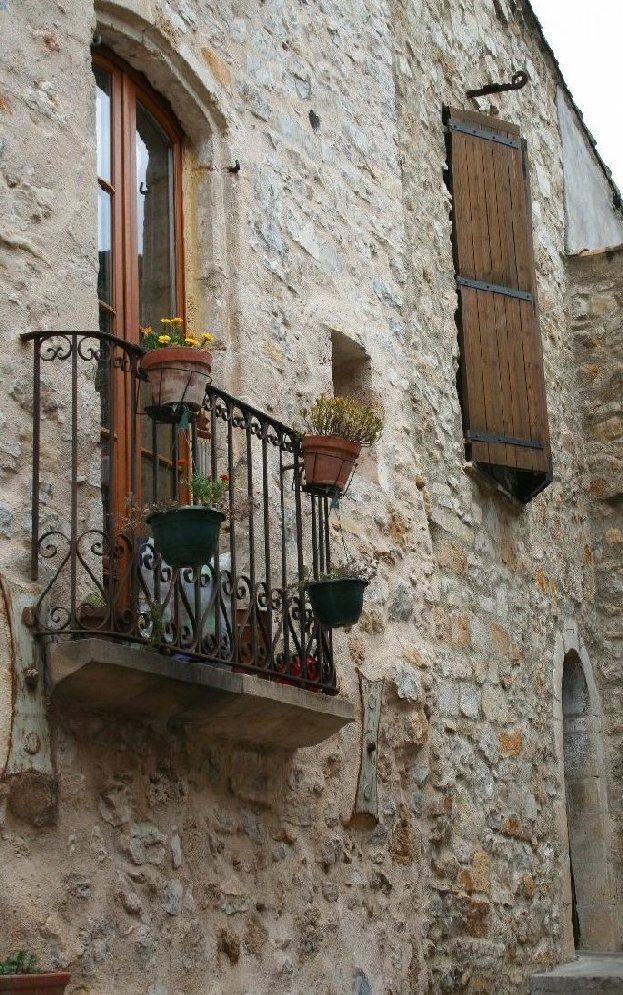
<point x="336" y="429"/>
<point x="20" y="973"/>
<point x="177" y="365"/>
<point x="93" y="613"/>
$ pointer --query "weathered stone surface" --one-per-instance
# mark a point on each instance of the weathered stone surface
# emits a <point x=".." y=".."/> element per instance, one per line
<point x="207" y="858"/>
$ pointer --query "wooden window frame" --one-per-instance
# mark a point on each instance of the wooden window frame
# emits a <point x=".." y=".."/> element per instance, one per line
<point x="127" y="88"/>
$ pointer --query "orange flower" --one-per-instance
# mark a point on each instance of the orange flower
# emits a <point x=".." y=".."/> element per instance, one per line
<point x="224" y="477"/>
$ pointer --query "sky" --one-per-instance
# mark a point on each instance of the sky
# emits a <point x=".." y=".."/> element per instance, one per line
<point x="587" y="36"/>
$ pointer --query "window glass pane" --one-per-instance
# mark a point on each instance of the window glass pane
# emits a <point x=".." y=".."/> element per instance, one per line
<point x="104" y="240"/>
<point x="154" y="220"/>
<point x="105" y="321"/>
<point x="158" y="480"/>
<point x="102" y="112"/>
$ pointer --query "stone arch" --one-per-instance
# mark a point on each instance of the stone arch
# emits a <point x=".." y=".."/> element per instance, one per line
<point x="588" y="887"/>
<point x="198" y="94"/>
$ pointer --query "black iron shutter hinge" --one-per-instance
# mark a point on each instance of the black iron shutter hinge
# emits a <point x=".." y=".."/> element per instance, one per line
<point x="504" y="440"/>
<point x="493" y="288"/>
<point x="487" y="135"/>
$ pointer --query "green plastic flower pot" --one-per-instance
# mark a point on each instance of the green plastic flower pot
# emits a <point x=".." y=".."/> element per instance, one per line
<point x="338" y="601"/>
<point x="185" y="537"/>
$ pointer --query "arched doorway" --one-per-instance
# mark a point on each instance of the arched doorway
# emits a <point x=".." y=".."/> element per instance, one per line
<point x="588" y="886"/>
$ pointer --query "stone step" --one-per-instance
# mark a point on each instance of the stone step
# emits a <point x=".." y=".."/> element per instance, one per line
<point x="589" y="973"/>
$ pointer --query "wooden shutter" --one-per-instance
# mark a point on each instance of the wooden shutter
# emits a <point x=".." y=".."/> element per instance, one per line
<point x="502" y="384"/>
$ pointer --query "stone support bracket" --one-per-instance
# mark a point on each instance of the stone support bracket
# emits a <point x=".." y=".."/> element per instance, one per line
<point x="366" y="799"/>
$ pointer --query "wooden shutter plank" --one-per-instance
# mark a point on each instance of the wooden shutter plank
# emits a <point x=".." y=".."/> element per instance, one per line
<point x="499" y="275"/>
<point x="524" y="458"/>
<point x="530" y="332"/>
<point x="486" y="306"/>
<point x="471" y="351"/>
<point x="462" y="210"/>
<point x="545" y="462"/>
<point x="472" y="366"/>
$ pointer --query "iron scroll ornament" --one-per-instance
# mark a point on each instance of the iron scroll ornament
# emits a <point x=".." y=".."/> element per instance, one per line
<point x="518" y="81"/>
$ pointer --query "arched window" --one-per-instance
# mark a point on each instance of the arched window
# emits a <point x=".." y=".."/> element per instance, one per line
<point x="140" y="279"/>
<point x="139" y="158"/>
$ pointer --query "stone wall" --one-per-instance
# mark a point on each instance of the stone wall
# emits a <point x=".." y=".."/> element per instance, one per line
<point x="176" y="859"/>
<point x="596" y="316"/>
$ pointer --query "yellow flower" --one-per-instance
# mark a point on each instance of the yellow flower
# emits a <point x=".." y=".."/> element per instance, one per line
<point x="175" y="321"/>
<point x="166" y="321"/>
<point x="189" y="340"/>
<point x="163" y="339"/>
<point x="207" y="337"/>
<point x="147" y="330"/>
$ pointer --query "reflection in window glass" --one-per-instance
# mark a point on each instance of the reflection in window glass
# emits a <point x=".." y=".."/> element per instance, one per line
<point x="102" y="112"/>
<point x="104" y="239"/>
<point x="154" y="219"/>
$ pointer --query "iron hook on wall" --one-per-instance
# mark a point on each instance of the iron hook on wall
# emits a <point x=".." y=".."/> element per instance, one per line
<point x="518" y="81"/>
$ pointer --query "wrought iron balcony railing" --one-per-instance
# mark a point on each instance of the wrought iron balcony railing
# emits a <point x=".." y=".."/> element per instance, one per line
<point x="97" y="453"/>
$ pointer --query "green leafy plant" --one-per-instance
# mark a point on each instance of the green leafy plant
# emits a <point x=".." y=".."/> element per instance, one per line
<point x="209" y="492"/>
<point x="351" y="568"/>
<point x="20" y="962"/>
<point x="156" y="618"/>
<point x="95" y="599"/>
<point x="204" y="491"/>
<point x="343" y="416"/>
<point x="172" y="333"/>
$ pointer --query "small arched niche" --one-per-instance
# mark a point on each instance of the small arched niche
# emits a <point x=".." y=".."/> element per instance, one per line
<point x="588" y="887"/>
<point x="351" y="374"/>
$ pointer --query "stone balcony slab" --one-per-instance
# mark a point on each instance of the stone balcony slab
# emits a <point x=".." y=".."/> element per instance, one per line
<point x="132" y="680"/>
<point x="588" y="973"/>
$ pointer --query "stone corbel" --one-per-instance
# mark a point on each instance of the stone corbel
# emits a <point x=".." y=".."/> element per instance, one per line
<point x="27" y="778"/>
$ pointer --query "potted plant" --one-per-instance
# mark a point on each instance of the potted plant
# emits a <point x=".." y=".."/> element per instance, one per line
<point x="336" y="429"/>
<point x="20" y="973"/>
<point x="93" y="612"/>
<point x="287" y="668"/>
<point x="177" y="364"/>
<point x="336" y="597"/>
<point x="188" y="535"/>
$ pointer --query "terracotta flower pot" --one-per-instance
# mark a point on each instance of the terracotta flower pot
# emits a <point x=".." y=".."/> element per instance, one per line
<point x="177" y="375"/>
<point x="329" y="461"/>
<point x="51" y="983"/>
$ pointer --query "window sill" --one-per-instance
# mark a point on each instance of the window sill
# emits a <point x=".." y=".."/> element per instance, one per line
<point x="96" y="673"/>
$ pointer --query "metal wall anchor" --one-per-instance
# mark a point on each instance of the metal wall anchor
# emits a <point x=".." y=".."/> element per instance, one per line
<point x="518" y="81"/>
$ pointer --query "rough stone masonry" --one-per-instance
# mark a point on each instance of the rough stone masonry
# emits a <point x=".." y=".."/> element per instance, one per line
<point x="175" y="864"/>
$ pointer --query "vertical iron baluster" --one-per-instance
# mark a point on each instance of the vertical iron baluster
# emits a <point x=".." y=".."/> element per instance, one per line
<point x="327" y="542"/>
<point x="299" y="548"/>
<point x="327" y="555"/>
<point x="267" y="563"/>
<point x="177" y="573"/>
<point x="133" y="540"/>
<point x="321" y="546"/>
<point x="315" y="543"/>
<point x="253" y="607"/>
<point x="232" y="533"/>
<point x="113" y="423"/>
<point x="36" y="456"/>
<point x="285" y="594"/>
<point x="155" y="462"/>
<point x="74" y="479"/>
<point x="193" y="465"/>
<point x="218" y="607"/>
